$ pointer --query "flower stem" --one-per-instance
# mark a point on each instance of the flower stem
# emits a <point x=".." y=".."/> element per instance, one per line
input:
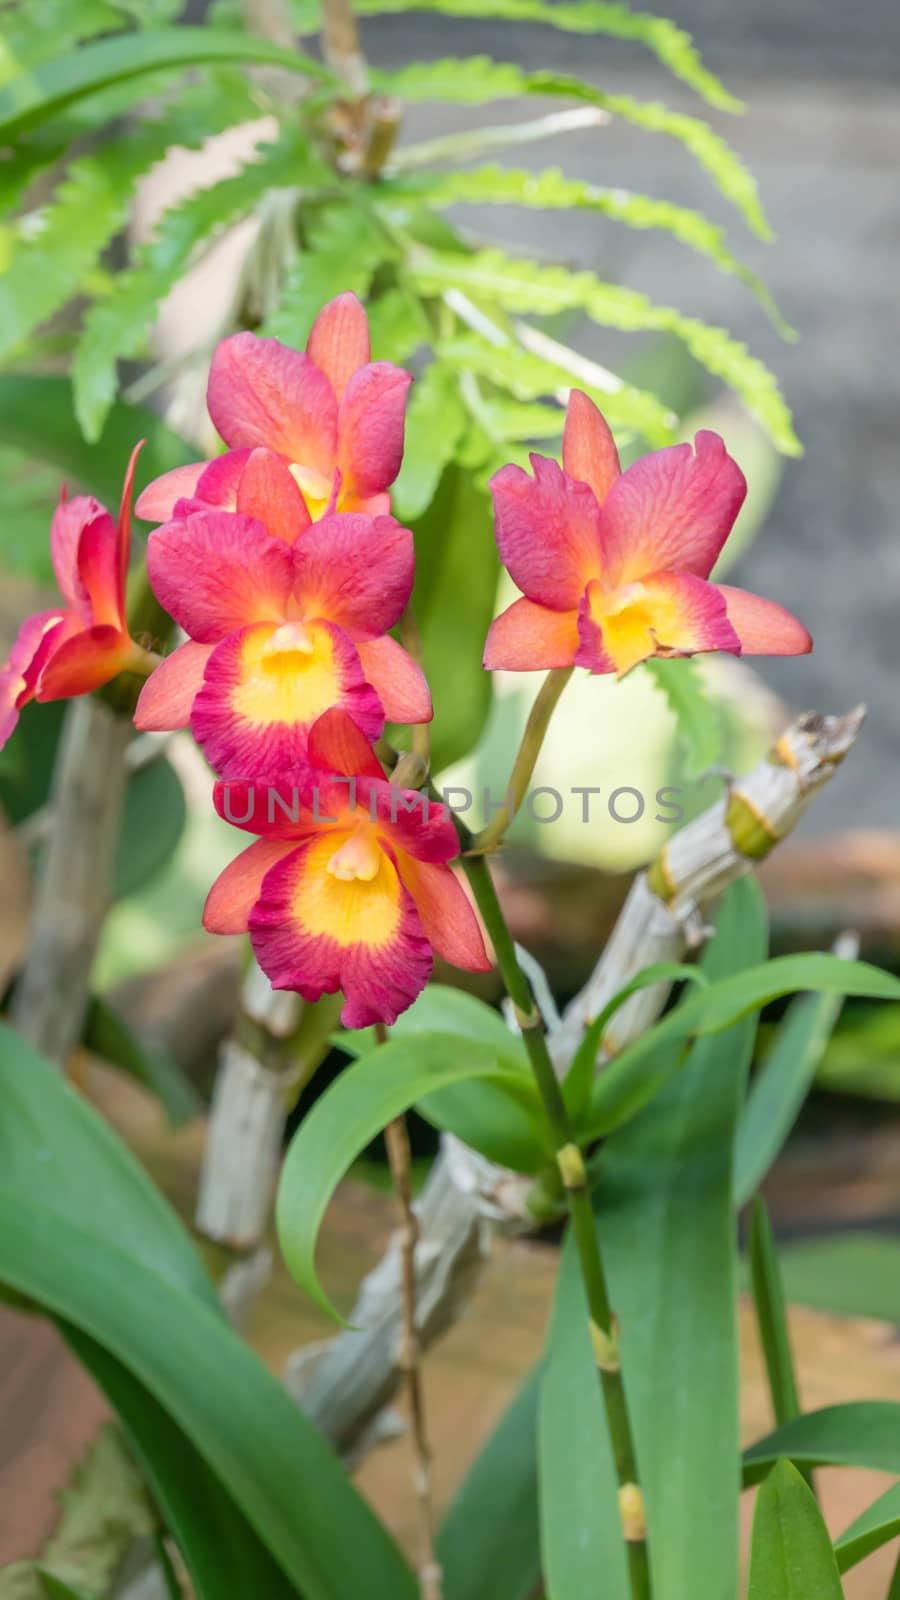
<point x="572" y="1169"/>
<point x="523" y="766"/>
<point x="397" y="1140"/>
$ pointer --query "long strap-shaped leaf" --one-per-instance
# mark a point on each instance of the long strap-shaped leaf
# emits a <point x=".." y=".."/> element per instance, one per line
<point x="863" y="1433"/>
<point x="791" y="1556"/>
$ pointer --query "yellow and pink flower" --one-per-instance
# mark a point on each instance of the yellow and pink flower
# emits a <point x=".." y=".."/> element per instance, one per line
<point x="280" y="634"/>
<point x="614" y="566"/>
<point x="349" y="884"/>
<point x="85" y="643"/>
<point x="329" y="420"/>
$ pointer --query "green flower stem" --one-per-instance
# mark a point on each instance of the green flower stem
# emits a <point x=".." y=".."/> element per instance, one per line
<point x="572" y="1169"/>
<point x="523" y="766"/>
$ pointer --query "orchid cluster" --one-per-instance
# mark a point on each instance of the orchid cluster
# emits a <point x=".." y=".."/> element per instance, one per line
<point x="282" y="564"/>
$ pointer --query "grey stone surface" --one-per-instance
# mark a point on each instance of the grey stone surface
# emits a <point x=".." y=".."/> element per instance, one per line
<point x="822" y="135"/>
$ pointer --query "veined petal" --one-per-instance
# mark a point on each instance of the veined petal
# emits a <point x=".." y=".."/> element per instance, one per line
<point x="547" y="530"/>
<point x="527" y="637"/>
<point x="19" y="677"/>
<point x="100" y="571"/>
<point x="276" y="808"/>
<point x="316" y="933"/>
<point x="410" y="821"/>
<point x="339" y="341"/>
<point x="672" y="510"/>
<point x="267" y="491"/>
<point x="370" y="427"/>
<point x="263" y="393"/>
<point x="165" y="701"/>
<point x="70" y="519"/>
<point x="214" y="572"/>
<point x="588" y="448"/>
<point x="397" y="679"/>
<point x="87" y="660"/>
<point x="157" y="502"/>
<point x="263" y="689"/>
<point x="356" y="571"/>
<point x="336" y="745"/>
<point x="237" y="888"/>
<point x="668" y="613"/>
<point x="763" y="627"/>
<point x="218" y="484"/>
<point x="445" y="912"/>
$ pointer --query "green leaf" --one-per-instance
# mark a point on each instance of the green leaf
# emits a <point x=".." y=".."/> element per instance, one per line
<point x="36" y="417"/>
<point x="665" y="1180"/>
<point x="639" y="1070"/>
<point x="671" y="45"/>
<point x="107" y="1034"/>
<point x="780" y="1087"/>
<point x="771" y="1317"/>
<point x="579" y="1510"/>
<point x="342" y="251"/>
<point x="397" y="325"/>
<point x="528" y="377"/>
<point x="865" y="1433"/>
<point x="457" y="569"/>
<point x="117" y="326"/>
<point x="87" y="1237"/>
<point x="35" y="97"/>
<point x="435" y="421"/>
<point x="488" y="1541"/>
<point x="526" y="286"/>
<point x="55" y="1589"/>
<point x="876" y="1526"/>
<point x="580" y="1076"/>
<point x="698" y="717"/>
<point x="351" y="1112"/>
<point x="153" y="820"/>
<point x="791" y="1556"/>
<point x="476" y="80"/>
<point x="551" y="189"/>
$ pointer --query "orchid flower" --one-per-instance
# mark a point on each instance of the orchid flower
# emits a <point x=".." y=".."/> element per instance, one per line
<point x="279" y="634"/>
<point x="348" y="886"/>
<point x="330" y="422"/>
<point x="614" y="566"/>
<point x="85" y="643"/>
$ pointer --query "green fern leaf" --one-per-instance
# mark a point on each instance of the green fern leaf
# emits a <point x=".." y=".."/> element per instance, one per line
<point x="343" y="248"/>
<point x="527" y="286"/>
<point x="522" y="422"/>
<point x="669" y="43"/>
<point x="531" y="377"/>
<point x="435" y="421"/>
<point x="699" y="721"/>
<point x="552" y="190"/>
<point x="398" y="324"/>
<point x="476" y="80"/>
<point x="117" y="327"/>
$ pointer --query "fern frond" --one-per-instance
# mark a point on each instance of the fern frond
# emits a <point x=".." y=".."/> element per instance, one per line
<point x="117" y="327"/>
<point x="670" y="44"/>
<point x="552" y="190"/>
<point x="527" y="286"/>
<point x="435" y="422"/>
<point x="343" y="248"/>
<point x="695" y="710"/>
<point x="476" y="80"/>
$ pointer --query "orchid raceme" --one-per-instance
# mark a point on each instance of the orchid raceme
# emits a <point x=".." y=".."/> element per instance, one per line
<point x="330" y="422"/>
<point x="85" y="643"/>
<point x="348" y="886"/>
<point x="280" y="634"/>
<point x="614" y="566"/>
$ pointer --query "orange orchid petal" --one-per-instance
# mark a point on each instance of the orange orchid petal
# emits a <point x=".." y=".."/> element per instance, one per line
<point x="448" y="918"/>
<point x="166" y="699"/>
<point x="157" y="502"/>
<point x="397" y="679"/>
<point x="267" y="491"/>
<point x="237" y="889"/>
<point x="527" y="637"/>
<point x="764" y="627"/>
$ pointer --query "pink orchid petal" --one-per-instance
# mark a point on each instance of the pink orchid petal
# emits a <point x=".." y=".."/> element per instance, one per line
<point x="370" y="428"/>
<point x="219" y="481"/>
<point x="356" y="571"/>
<point x="339" y="341"/>
<point x="446" y="914"/>
<point x="20" y="675"/>
<point x="527" y="638"/>
<point x="588" y="448"/>
<point x="547" y="531"/>
<point x="669" y="613"/>
<point x="764" y="627"/>
<point x="397" y="679"/>
<point x="315" y="934"/>
<point x="100" y="571"/>
<point x="672" y="510"/>
<point x="166" y="699"/>
<point x="267" y="491"/>
<point x="253" y="714"/>
<point x="214" y="572"/>
<point x="123" y="525"/>
<point x="86" y="661"/>
<point x="157" y="502"/>
<point x="262" y="393"/>
<point x="276" y="807"/>
<point x="409" y="820"/>
<point x="70" y="519"/>
<point x="237" y="889"/>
